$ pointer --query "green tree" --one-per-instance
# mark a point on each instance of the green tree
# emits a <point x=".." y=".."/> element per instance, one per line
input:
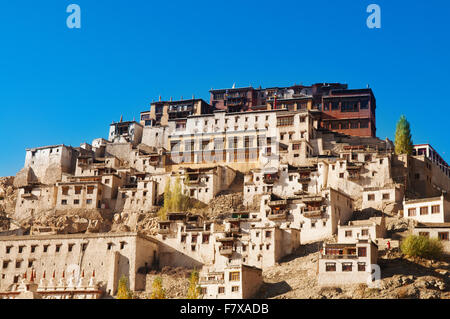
<point x="421" y="246"/>
<point x="194" y="290"/>
<point x="158" y="291"/>
<point x="123" y="292"/>
<point x="174" y="199"/>
<point x="403" y="140"/>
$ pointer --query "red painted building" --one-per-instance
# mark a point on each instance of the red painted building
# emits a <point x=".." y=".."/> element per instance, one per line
<point x="350" y="112"/>
<point x="343" y="110"/>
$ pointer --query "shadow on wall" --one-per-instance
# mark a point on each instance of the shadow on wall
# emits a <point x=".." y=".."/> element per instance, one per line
<point x="168" y="256"/>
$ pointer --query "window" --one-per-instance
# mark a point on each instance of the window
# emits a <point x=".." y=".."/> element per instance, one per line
<point x="8" y="249"/>
<point x="221" y="290"/>
<point x="65" y="190"/>
<point x="386" y="196"/>
<point x="435" y="209"/>
<point x="268" y="234"/>
<point x="5" y="264"/>
<point x="235" y="289"/>
<point x="330" y="267"/>
<point x="90" y="189"/>
<point x="235" y="276"/>
<point x="411" y="212"/>
<point x="18" y="263"/>
<point x="58" y="248"/>
<point x="76" y="201"/>
<point x="443" y="235"/>
<point x="424" y="210"/>
<point x="33" y="248"/>
<point x="341" y="175"/>
<point x="70" y="247"/>
<point x="285" y="121"/>
<point x="46" y="248"/>
<point x="77" y="190"/>
<point x="122" y="244"/>
<point x="204" y="291"/>
<point x="362" y="251"/>
<point x="88" y="201"/>
<point x="424" y="234"/>
<point x="313" y="224"/>
<point x="30" y="263"/>
<point x="64" y="202"/>
<point x="347" y="266"/>
<point x="348" y="233"/>
<point x="84" y="246"/>
<point x="365" y="232"/>
<point x="21" y="249"/>
<point x="361" y="266"/>
<point x="371" y="197"/>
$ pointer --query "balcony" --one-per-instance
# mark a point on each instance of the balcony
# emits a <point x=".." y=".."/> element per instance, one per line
<point x="275" y="203"/>
<point x="277" y="215"/>
<point x="206" y="281"/>
<point x="226" y="250"/>
<point x="27" y="195"/>
<point x="312" y="199"/>
<point x="313" y="214"/>
<point x="339" y="256"/>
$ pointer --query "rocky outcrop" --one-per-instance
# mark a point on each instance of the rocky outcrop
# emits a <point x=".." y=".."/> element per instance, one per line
<point x="8" y="195"/>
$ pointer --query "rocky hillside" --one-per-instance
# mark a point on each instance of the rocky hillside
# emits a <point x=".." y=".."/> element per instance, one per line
<point x="296" y="278"/>
<point x="8" y="195"/>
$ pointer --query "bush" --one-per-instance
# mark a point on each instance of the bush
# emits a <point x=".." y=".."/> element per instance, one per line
<point x="421" y="246"/>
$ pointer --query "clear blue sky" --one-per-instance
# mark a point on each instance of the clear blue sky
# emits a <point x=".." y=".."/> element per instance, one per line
<point x="59" y="85"/>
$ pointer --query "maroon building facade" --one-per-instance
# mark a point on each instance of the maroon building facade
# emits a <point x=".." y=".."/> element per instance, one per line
<point x="350" y="112"/>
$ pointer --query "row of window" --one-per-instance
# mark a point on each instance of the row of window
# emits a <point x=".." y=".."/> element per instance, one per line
<point x="385" y="196"/>
<point x="425" y="210"/>
<point x="58" y="247"/>
<point x="441" y="235"/>
<point x="346" y="267"/>
<point x="204" y="290"/>
<point x="346" y="125"/>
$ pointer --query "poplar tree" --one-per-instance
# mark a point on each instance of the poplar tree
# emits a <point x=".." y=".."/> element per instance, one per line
<point x="403" y="140"/>
<point x="194" y="290"/>
<point x="158" y="291"/>
<point x="123" y="292"/>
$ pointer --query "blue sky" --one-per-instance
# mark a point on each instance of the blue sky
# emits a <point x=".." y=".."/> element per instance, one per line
<point x="60" y="85"/>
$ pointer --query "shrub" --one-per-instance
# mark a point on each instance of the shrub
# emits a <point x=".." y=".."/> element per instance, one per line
<point x="421" y="246"/>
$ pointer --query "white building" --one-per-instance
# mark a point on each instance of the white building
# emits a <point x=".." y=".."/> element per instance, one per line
<point x="428" y="210"/>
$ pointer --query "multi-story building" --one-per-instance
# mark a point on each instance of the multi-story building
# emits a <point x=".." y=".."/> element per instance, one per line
<point x="370" y="229"/>
<point x="110" y="255"/>
<point x="428" y="210"/>
<point x="350" y="112"/>
<point x="162" y="112"/>
<point x="233" y="282"/>
<point x="347" y="263"/>
<point x="429" y="152"/>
